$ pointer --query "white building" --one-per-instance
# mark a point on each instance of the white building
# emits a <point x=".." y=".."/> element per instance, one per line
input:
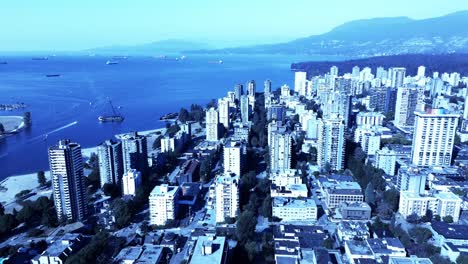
<point x="433" y="138"/>
<point x="244" y="107"/>
<point x="223" y="109"/>
<point x="406" y="103"/>
<point x="212" y="123"/>
<point x="168" y="144"/>
<point x="421" y="71"/>
<point x="280" y="151"/>
<point x="226" y="196"/>
<point x="300" y="83"/>
<point x="397" y="76"/>
<point x="385" y="159"/>
<point x="131" y="180"/>
<point x="163" y="204"/>
<point x="234" y="157"/>
<point x="371" y="143"/>
<point x="440" y="203"/>
<point x="412" y="179"/>
<point x="68" y="181"/>
<point x="369" y="119"/>
<point x="290" y="190"/>
<point x="294" y="209"/>
<point x="110" y="162"/>
<point x="285" y="177"/>
<point x="331" y="143"/>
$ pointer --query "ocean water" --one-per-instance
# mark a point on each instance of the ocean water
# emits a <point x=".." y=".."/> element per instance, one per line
<point x="145" y="88"/>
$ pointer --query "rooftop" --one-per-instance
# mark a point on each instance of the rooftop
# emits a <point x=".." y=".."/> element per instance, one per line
<point x="164" y="190"/>
<point x="357" y="247"/>
<point x="293" y="202"/>
<point x="208" y="250"/>
<point x="62" y="244"/>
<point x="409" y="260"/>
<point x="451" y="231"/>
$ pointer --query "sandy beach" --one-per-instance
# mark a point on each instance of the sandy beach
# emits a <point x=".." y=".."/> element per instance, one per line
<point x="14" y="184"/>
<point x="11" y="124"/>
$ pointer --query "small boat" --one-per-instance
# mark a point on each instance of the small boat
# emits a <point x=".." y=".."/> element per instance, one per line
<point x="120" y="57"/>
<point x="40" y="58"/>
<point x="112" y="62"/>
<point x="216" y="62"/>
<point x="53" y="75"/>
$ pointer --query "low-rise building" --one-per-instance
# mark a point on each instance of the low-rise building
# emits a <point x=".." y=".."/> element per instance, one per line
<point x="450" y="233"/>
<point x="209" y="250"/>
<point x="349" y="230"/>
<point x="354" y="211"/>
<point x="147" y="254"/>
<point x="440" y="203"/>
<point x="60" y="250"/>
<point x="294" y="209"/>
<point x="286" y="177"/>
<point x="358" y="249"/>
<point x="409" y="260"/>
<point x="343" y="192"/>
<point x="291" y="190"/>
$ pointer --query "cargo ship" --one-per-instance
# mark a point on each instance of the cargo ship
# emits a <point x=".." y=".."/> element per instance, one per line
<point x="52" y="75"/>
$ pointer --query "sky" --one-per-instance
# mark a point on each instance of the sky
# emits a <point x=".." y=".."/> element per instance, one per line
<point x="30" y="25"/>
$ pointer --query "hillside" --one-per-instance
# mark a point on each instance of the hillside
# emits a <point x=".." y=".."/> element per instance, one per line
<point x="376" y="37"/>
<point x="440" y="63"/>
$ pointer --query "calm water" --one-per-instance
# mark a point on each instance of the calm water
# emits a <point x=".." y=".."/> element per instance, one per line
<point x="144" y="87"/>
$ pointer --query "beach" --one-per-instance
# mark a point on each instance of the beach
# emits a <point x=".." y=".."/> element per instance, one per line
<point x="12" y="124"/>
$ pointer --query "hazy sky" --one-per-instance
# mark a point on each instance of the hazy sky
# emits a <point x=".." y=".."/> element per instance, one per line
<point x="80" y="24"/>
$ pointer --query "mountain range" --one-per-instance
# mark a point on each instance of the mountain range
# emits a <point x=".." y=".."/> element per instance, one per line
<point x="375" y="37"/>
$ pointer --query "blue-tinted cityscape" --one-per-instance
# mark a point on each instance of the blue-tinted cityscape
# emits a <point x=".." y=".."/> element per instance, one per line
<point x="349" y="145"/>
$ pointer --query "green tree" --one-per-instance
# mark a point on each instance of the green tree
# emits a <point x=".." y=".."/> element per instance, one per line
<point x="122" y="212"/>
<point x="328" y="243"/>
<point x="2" y="128"/>
<point x="462" y="259"/>
<point x="2" y="209"/>
<point x="392" y="198"/>
<point x="111" y="189"/>
<point x="184" y="115"/>
<point x="7" y="223"/>
<point x="370" y="196"/>
<point x="41" y="178"/>
<point x="420" y="234"/>
<point x="251" y="248"/>
<point x="246" y="223"/>
<point x="27" y="118"/>
<point x="448" y="219"/>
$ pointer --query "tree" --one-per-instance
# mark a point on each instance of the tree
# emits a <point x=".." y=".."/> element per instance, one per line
<point x="27" y="118"/>
<point x="246" y="223"/>
<point x="448" y="219"/>
<point x="328" y="243"/>
<point x="252" y="250"/>
<point x="2" y="128"/>
<point x="111" y="189"/>
<point x="462" y="259"/>
<point x="392" y="198"/>
<point x="122" y="212"/>
<point x="7" y="223"/>
<point x="412" y="218"/>
<point x="370" y="196"/>
<point x="2" y="209"/>
<point x="41" y="178"/>
<point x="265" y="209"/>
<point x="420" y="234"/>
<point x="184" y="115"/>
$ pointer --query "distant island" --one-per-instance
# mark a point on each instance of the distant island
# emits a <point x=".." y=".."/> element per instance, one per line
<point x="441" y="63"/>
<point x="10" y="125"/>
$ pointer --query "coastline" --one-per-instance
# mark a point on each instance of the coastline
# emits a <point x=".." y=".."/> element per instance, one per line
<point x="12" y="125"/>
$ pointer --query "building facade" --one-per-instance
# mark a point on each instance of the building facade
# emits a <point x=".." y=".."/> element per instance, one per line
<point x="68" y="181"/>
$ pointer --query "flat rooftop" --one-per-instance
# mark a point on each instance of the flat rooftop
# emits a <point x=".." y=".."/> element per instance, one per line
<point x="217" y="245"/>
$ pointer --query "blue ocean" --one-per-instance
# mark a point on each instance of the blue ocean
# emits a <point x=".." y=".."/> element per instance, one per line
<point x="143" y="88"/>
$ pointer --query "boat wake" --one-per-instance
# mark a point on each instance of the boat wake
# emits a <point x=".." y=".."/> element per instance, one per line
<point x="44" y="136"/>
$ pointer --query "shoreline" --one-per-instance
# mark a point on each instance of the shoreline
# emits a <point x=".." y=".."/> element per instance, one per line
<point x="12" y="125"/>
